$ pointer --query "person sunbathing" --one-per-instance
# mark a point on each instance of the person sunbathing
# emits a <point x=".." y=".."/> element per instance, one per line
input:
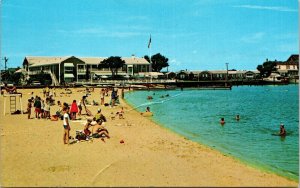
<point x="11" y="90"/>
<point x="99" y="131"/>
<point x="86" y="130"/>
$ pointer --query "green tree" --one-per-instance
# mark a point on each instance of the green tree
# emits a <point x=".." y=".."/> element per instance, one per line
<point x="266" y="68"/>
<point x="158" y="62"/>
<point x="15" y="78"/>
<point x="114" y="63"/>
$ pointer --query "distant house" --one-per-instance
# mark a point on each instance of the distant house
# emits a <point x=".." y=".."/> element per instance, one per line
<point x="182" y="75"/>
<point x="74" y="69"/>
<point x="217" y="75"/>
<point x="290" y="67"/>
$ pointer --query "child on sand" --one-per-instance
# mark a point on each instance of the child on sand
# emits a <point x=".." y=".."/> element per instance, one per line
<point x="66" y="125"/>
<point x="102" y="94"/>
<point x="47" y="109"/>
<point x="74" y="110"/>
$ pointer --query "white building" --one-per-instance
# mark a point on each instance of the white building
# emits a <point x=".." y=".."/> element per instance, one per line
<point x="72" y="69"/>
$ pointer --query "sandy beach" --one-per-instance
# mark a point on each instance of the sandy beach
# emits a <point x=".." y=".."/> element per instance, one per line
<point x="33" y="153"/>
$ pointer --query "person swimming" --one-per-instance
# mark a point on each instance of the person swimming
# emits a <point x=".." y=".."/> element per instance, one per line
<point x="237" y="117"/>
<point x="282" y="130"/>
<point x="222" y="121"/>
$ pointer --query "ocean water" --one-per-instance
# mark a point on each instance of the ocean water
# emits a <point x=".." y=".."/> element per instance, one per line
<point x="195" y="114"/>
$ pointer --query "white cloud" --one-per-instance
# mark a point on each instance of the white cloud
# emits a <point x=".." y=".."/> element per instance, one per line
<point x="253" y="38"/>
<point x="290" y="48"/>
<point x="175" y="62"/>
<point x="101" y="32"/>
<point x="282" y="9"/>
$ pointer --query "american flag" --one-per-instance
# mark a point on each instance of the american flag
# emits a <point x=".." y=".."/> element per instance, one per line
<point x="149" y="42"/>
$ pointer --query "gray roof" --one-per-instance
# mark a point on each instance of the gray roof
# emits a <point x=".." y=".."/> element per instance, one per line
<point x="39" y="61"/>
<point x="220" y="71"/>
<point x="44" y="60"/>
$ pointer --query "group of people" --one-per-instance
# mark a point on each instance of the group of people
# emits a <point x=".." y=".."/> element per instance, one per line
<point x="94" y="127"/>
<point x="41" y="107"/>
<point x="282" y="131"/>
<point x="98" y="130"/>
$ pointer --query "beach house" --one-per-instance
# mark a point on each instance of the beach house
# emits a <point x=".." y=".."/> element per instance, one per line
<point x="75" y="69"/>
<point x="290" y="67"/>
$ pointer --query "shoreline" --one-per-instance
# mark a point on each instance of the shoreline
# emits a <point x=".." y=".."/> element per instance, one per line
<point x="152" y="155"/>
<point x="258" y="167"/>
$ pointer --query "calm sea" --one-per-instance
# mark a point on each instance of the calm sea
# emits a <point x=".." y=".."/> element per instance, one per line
<point x="195" y="114"/>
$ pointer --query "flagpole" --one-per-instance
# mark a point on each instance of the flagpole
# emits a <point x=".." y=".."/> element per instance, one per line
<point x="149" y="46"/>
<point x="150" y="67"/>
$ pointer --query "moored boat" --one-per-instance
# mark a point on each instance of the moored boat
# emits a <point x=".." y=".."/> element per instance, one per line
<point x="275" y="78"/>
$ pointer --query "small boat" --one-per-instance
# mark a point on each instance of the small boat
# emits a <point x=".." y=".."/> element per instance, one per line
<point x="275" y="78"/>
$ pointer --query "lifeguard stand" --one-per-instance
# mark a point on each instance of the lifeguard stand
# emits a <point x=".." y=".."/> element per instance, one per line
<point x="12" y="102"/>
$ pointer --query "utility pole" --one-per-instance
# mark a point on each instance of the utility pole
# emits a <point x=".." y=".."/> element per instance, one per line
<point x="5" y="63"/>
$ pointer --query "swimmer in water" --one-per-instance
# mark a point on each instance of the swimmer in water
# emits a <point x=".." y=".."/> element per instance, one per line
<point x="222" y="122"/>
<point x="282" y="130"/>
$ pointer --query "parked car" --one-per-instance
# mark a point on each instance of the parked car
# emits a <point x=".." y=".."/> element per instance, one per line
<point x="36" y="83"/>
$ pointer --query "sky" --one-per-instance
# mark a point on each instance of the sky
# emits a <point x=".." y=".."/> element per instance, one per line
<point x="192" y="34"/>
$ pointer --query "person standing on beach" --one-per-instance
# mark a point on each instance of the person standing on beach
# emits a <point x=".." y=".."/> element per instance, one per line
<point x="44" y="92"/>
<point x="29" y="105"/>
<point x="47" y="91"/>
<point x="102" y="94"/>
<point x="37" y="105"/>
<point x="42" y="108"/>
<point x="80" y="104"/>
<point x="47" y="109"/>
<point x="113" y="98"/>
<point x="74" y="110"/>
<point x="66" y="125"/>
